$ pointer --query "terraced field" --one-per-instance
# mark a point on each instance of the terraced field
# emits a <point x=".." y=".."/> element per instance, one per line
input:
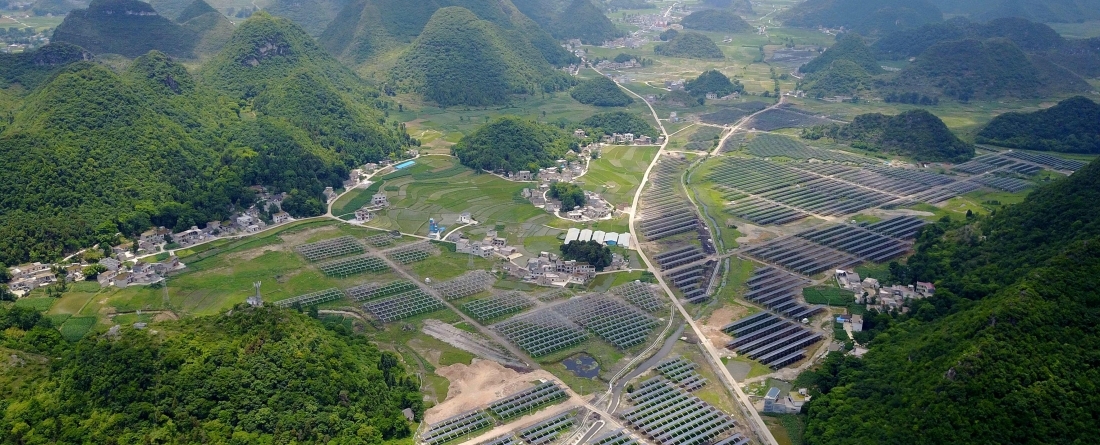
<point x="618" y="171"/>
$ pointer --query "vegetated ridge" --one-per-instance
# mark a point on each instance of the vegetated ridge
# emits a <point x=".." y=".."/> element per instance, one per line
<point x="1010" y="329"/>
<point x="90" y="153"/>
<point x="460" y="59"/>
<point x="864" y="16"/>
<point x="584" y="21"/>
<point x="621" y="122"/>
<point x="127" y="27"/>
<point x="601" y="92"/>
<point x="738" y="6"/>
<point x="257" y="375"/>
<point x="1050" y="11"/>
<point x="716" y="20"/>
<point x="511" y="144"/>
<point x="713" y="81"/>
<point x="690" y="45"/>
<point x="915" y="133"/>
<point x="1072" y="126"/>
<point x="848" y="47"/>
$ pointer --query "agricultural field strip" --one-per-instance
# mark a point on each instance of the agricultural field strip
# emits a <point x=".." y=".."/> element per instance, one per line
<point x="667" y="414"/>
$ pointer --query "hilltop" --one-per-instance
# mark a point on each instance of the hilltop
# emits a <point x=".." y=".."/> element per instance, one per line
<point x="344" y="389"/>
<point x="713" y="81"/>
<point x="974" y="69"/>
<point x="584" y="21"/>
<point x="716" y="20"/>
<point x="367" y="29"/>
<point x="460" y="59"/>
<point x="127" y="27"/>
<point x="691" y="45"/>
<point x="91" y="152"/>
<point x="863" y="16"/>
<point x="738" y="6"/>
<point x="1028" y="36"/>
<point x="1069" y="127"/>
<point x="962" y="365"/>
<point x="619" y="122"/>
<point x="511" y="144"/>
<point x="916" y="133"/>
<point x="601" y="92"/>
<point x="848" y="47"/>
<point x="1051" y="11"/>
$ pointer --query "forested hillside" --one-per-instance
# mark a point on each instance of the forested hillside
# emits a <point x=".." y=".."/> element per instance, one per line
<point x="127" y="27"/>
<point x="1072" y="126"/>
<point x="254" y="376"/>
<point x="619" y="122"/>
<point x="713" y="81"/>
<point x="863" y="16"/>
<point x="916" y="133"/>
<point x="312" y="15"/>
<point x="691" y="45"/>
<point x="1028" y="36"/>
<point x="716" y="20"/>
<point x="1038" y="10"/>
<point x="601" y="92"/>
<point x="511" y="144"/>
<point x="90" y="152"/>
<point x="738" y="6"/>
<point x="1000" y="353"/>
<point x="366" y="29"/>
<point x="460" y="59"/>
<point x="848" y="47"/>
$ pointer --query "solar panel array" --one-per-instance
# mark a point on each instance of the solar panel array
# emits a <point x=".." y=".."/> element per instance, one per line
<point x="403" y="305"/>
<point x="736" y="439"/>
<point x="901" y="227"/>
<point x="371" y="291"/>
<point x="802" y="256"/>
<point x="617" y="437"/>
<point x="550" y="429"/>
<point x="455" y="427"/>
<point x="382" y="239"/>
<point x="678" y="257"/>
<point x="412" y="253"/>
<point x="1047" y="160"/>
<point x="640" y="294"/>
<point x="506" y="439"/>
<point x="556" y="294"/>
<point x="683" y="373"/>
<point x="665" y="212"/>
<point x="498" y="306"/>
<point x="667" y="414"/>
<point x="468" y="284"/>
<point x="1011" y="185"/>
<point x="693" y="281"/>
<point x="778" y="291"/>
<point x="330" y="248"/>
<point x="771" y="340"/>
<point x="616" y="322"/>
<point x="769" y="145"/>
<point x="311" y="299"/>
<point x="346" y="267"/>
<point x="541" y="332"/>
<point x="857" y="241"/>
<point x="527" y="401"/>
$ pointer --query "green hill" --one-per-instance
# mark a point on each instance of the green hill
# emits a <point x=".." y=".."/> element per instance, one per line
<point x="973" y="69"/>
<point x="1050" y="11"/>
<point x="850" y="48"/>
<point x="1011" y="329"/>
<point x="713" y="81"/>
<point x="1069" y="127"/>
<point x="601" y="92"/>
<point x="1028" y="36"/>
<point x="584" y="21"/>
<point x="619" y="122"/>
<point x="716" y="20"/>
<point x="57" y="7"/>
<point x="915" y="133"/>
<point x="255" y="375"/>
<point x="195" y="9"/>
<point x="511" y="144"/>
<point x="127" y="27"/>
<point x="863" y="16"/>
<point x="312" y="15"/>
<point x="842" y="78"/>
<point x="89" y="153"/>
<point x="368" y="29"/>
<point x="738" y="6"/>
<point x="460" y="59"/>
<point x="690" y="45"/>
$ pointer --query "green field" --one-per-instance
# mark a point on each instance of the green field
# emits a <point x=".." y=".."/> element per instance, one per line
<point x="833" y="296"/>
<point x="75" y="327"/>
<point x="617" y="173"/>
<point x="37" y="303"/>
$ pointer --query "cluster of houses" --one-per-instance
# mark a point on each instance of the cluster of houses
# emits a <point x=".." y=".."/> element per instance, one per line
<point x="367" y="213"/>
<point x="551" y="271"/>
<point x="777" y="402"/>
<point x="613" y="65"/>
<point x="596" y="208"/>
<point x="123" y="274"/>
<point x="606" y="238"/>
<point x="121" y="271"/>
<point x="882" y="298"/>
<point x="629" y="138"/>
<point x="31" y="276"/>
<point x="487" y="247"/>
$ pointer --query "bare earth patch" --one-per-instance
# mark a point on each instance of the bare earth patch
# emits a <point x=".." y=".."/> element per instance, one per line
<point x="290" y="240"/>
<point x="722" y="316"/>
<point x="476" y="385"/>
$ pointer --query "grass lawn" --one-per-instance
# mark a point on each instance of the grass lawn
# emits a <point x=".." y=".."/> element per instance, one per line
<point x="617" y="173"/>
<point x="76" y="327"/>
<point x="830" y="295"/>
<point x="39" y="304"/>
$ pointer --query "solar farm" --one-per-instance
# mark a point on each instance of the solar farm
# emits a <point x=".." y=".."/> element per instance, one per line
<point x="470" y="283"/>
<point x="640" y="294"/>
<point x="371" y="291"/>
<point x="312" y="298"/>
<point x="331" y="248"/>
<point x="616" y="322"/>
<point x="346" y="267"/>
<point x="683" y="373"/>
<point x="527" y="401"/>
<point x="498" y="306"/>
<point x="541" y="332"/>
<point x="412" y="253"/>
<point x="666" y="414"/>
<point x="403" y="305"/>
<point x="773" y="146"/>
<point x="665" y="211"/>
<point x="778" y="291"/>
<point x="770" y="339"/>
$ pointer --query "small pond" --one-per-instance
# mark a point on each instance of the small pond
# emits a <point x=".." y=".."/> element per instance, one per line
<point x="582" y="365"/>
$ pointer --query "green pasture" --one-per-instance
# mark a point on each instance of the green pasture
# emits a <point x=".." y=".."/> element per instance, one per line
<point x="618" y="172"/>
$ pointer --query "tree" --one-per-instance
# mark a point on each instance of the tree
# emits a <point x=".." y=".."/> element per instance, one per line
<point x="5" y="274"/>
<point x="93" y="271"/>
<point x="591" y="252"/>
<point x="570" y="195"/>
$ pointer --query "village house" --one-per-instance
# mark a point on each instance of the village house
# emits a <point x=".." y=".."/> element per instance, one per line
<point x="579" y="134"/>
<point x="926" y="289"/>
<point x="329" y="194"/>
<point x="364" y="215"/>
<point x="281" y="217"/>
<point x="379" y="199"/>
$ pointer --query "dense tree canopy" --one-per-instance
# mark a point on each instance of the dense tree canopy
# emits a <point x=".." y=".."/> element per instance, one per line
<point x="570" y="195"/>
<point x="591" y="252"/>
<point x="850" y="48"/>
<point x="619" y="122"/>
<point x="1072" y="126"/>
<point x="716" y="20"/>
<point x="601" y="92"/>
<point x="863" y="16"/>
<point x="691" y="45"/>
<point x="1009" y="335"/>
<point x="127" y="27"/>
<point x="713" y="81"/>
<point x="915" y="133"/>
<point x="253" y="376"/>
<point x="511" y="144"/>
